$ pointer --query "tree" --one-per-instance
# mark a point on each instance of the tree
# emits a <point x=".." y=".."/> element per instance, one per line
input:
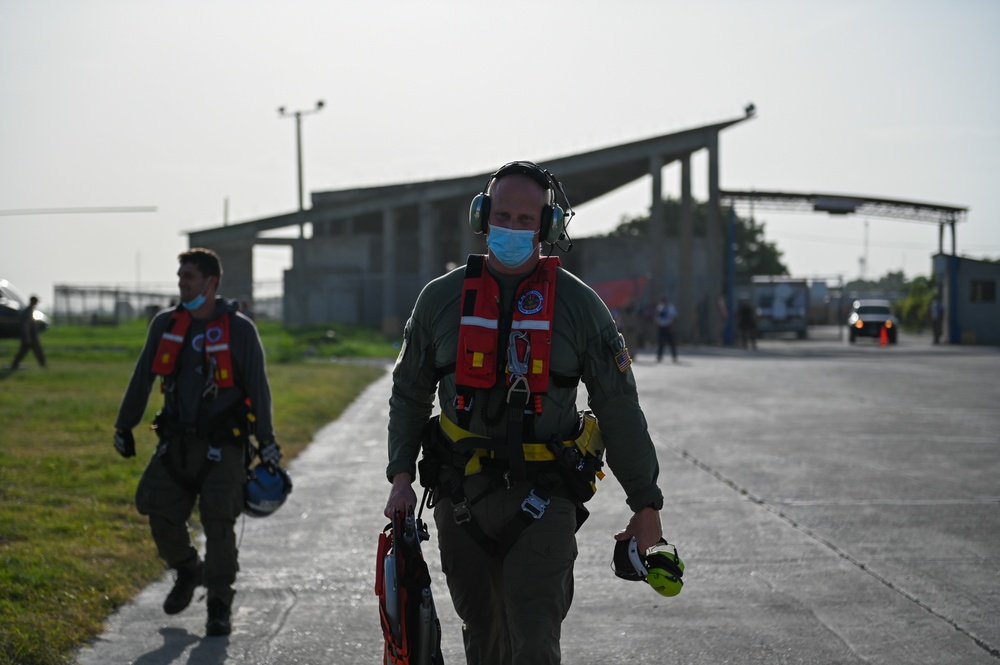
<point x="754" y="254"/>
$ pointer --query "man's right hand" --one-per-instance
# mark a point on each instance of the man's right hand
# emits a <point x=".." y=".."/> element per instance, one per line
<point x="401" y="496"/>
<point x="125" y="442"/>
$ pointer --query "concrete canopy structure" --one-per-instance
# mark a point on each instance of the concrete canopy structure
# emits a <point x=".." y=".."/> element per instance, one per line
<point x="373" y="248"/>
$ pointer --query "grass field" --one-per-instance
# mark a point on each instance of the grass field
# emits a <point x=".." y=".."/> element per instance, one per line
<point x="72" y="547"/>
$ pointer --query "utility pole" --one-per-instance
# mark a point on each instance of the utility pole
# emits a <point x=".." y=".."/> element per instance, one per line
<point x="299" y="269"/>
<point x="298" y="138"/>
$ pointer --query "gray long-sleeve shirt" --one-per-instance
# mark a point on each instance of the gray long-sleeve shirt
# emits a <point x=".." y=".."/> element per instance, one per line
<point x="189" y="409"/>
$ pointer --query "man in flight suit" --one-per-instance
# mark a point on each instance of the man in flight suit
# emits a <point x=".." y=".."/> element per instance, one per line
<point x="513" y="598"/>
<point x="210" y="359"/>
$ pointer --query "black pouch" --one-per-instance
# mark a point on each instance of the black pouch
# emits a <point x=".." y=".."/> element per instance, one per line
<point x="581" y="465"/>
<point x="162" y="427"/>
<point x="432" y="457"/>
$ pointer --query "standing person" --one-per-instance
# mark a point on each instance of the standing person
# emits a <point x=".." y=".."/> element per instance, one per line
<point x="936" y="320"/>
<point x="746" y="319"/>
<point x="211" y="362"/>
<point x="30" y="336"/>
<point x="665" y="315"/>
<point x="505" y="341"/>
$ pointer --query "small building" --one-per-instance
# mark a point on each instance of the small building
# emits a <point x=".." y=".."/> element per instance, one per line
<point x="968" y="291"/>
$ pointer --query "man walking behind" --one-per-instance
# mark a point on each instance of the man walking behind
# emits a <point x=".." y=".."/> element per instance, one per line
<point x="211" y="363"/>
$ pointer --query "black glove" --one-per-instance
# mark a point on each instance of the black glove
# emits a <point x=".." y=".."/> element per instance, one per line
<point x="125" y="442"/>
<point x="270" y="453"/>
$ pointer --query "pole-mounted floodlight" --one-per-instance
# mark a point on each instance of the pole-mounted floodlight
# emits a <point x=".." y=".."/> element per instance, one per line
<point x="298" y="137"/>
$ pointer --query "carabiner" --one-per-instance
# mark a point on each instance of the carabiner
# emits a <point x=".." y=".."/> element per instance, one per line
<point x="517" y="365"/>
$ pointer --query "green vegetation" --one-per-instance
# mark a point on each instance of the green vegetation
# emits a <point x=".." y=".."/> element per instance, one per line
<point x="72" y="547"/>
<point x="913" y="309"/>
<point x="754" y="254"/>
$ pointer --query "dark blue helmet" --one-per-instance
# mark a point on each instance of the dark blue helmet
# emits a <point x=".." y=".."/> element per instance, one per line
<point x="266" y="490"/>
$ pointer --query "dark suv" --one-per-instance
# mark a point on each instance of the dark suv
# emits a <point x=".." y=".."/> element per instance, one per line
<point x="868" y="317"/>
<point x="11" y="304"/>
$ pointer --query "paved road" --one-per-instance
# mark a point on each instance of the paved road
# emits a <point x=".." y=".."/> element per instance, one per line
<point x="833" y="503"/>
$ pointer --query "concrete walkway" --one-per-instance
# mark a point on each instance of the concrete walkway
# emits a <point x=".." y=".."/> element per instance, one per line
<point x="833" y="503"/>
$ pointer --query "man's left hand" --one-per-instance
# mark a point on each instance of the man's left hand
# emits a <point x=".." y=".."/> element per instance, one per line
<point x="125" y="442"/>
<point x="644" y="527"/>
<point x="271" y="454"/>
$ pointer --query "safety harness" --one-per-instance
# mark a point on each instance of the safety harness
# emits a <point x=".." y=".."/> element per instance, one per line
<point x="238" y="421"/>
<point x="512" y="351"/>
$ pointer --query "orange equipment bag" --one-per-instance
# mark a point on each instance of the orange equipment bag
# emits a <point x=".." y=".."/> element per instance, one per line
<point x="403" y="585"/>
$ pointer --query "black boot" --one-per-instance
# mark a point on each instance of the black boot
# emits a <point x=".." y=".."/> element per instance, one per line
<point x="218" y="618"/>
<point x="188" y="579"/>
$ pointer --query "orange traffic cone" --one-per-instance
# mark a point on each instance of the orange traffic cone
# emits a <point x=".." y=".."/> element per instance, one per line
<point x="883" y="336"/>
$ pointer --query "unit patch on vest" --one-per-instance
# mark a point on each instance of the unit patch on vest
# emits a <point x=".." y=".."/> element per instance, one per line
<point x="531" y="302"/>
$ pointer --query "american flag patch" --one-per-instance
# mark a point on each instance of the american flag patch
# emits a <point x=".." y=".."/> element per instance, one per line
<point x="623" y="360"/>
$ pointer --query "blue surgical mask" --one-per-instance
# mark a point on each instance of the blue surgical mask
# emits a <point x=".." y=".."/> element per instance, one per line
<point x="510" y="247"/>
<point x="196" y="303"/>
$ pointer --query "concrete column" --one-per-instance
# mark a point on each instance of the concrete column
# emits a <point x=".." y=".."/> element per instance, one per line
<point x="237" y="268"/>
<point x="390" y="318"/>
<point x="954" y="329"/>
<point x="427" y="246"/>
<point x="686" y="298"/>
<point x="657" y="243"/>
<point x="296" y="283"/>
<point x="713" y="244"/>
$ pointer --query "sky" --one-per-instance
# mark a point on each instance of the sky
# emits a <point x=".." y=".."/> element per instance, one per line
<point x="174" y="105"/>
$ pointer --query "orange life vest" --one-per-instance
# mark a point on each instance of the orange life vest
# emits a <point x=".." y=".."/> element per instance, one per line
<point x="216" y="345"/>
<point x="528" y="346"/>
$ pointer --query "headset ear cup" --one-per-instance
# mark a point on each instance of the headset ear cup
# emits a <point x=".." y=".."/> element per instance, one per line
<point x="666" y="572"/>
<point x="479" y="213"/>
<point x="545" y="224"/>
<point x="557" y="224"/>
<point x="625" y="561"/>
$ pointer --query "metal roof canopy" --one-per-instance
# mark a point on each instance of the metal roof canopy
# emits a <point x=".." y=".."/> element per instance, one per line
<point x="839" y="204"/>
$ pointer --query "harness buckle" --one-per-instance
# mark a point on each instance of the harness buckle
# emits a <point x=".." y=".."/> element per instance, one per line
<point x="211" y="389"/>
<point x="518" y="392"/>
<point x="461" y="512"/>
<point x="214" y="453"/>
<point x="534" y="505"/>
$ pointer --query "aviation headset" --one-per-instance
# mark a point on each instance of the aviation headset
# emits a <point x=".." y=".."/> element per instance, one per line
<point x="659" y="567"/>
<point x="553" y="223"/>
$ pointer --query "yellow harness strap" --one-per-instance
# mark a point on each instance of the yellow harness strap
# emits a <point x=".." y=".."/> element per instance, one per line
<point x="533" y="452"/>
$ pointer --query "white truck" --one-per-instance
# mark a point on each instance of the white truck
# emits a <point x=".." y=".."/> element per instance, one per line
<point x="782" y="305"/>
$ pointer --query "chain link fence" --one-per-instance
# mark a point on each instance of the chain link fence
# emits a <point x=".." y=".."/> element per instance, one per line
<point x="110" y="305"/>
